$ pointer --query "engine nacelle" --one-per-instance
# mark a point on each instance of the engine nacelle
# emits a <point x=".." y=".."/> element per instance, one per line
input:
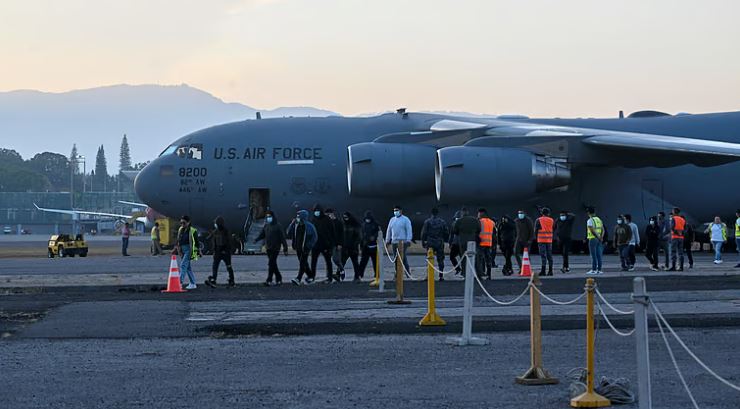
<point x="376" y="169"/>
<point x="480" y="174"/>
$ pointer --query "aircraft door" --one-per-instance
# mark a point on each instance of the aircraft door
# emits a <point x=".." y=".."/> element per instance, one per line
<point x="259" y="202"/>
<point x="652" y="197"/>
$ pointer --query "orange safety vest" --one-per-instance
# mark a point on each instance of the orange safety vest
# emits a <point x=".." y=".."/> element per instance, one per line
<point x="544" y="234"/>
<point x="486" y="232"/>
<point x="680" y="224"/>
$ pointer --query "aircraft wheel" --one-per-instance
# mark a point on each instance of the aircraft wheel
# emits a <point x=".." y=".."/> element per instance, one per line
<point x="50" y="253"/>
<point x="83" y="254"/>
<point x="61" y="252"/>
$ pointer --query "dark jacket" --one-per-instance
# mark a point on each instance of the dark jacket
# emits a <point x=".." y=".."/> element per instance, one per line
<point x="506" y="231"/>
<point x="325" y="229"/>
<point x="369" y="230"/>
<point x="466" y="229"/>
<point x="652" y="233"/>
<point x="434" y="232"/>
<point x="524" y="230"/>
<point x="665" y="229"/>
<point x="302" y="235"/>
<point x="274" y="236"/>
<point x="622" y="234"/>
<point x="564" y="228"/>
<point x="221" y="238"/>
<point x="453" y="237"/>
<point x="351" y="234"/>
<point x="689" y="236"/>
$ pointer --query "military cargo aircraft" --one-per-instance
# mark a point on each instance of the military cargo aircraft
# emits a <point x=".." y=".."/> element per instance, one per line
<point x="640" y="164"/>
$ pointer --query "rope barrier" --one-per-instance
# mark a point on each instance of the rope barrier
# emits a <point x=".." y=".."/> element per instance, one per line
<point x="573" y="301"/>
<point x="675" y="364"/>
<point x="492" y="298"/>
<point x="686" y="348"/>
<point x="613" y="308"/>
<point x="445" y="273"/>
<point x="609" y="323"/>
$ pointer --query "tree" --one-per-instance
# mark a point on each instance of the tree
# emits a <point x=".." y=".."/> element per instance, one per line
<point x="125" y="157"/>
<point x="10" y="157"/>
<point x="100" y="181"/>
<point x="15" y="178"/>
<point x="54" y="166"/>
<point x="73" y="158"/>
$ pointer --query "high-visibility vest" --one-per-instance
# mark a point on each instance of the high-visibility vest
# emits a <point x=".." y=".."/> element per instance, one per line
<point x="544" y="234"/>
<point x="598" y="228"/>
<point x="486" y="232"/>
<point x="155" y="231"/>
<point x="679" y="223"/>
<point x="737" y="228"/>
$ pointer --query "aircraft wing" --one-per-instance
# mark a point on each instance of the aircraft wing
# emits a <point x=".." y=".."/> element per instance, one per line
<point x="664" y="144"/>
<point x="79" y="212"/>
<point x="132" y="203"/>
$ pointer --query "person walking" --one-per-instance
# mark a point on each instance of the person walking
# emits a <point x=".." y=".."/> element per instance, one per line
<point x="688" y="243"/>
<point x="652" y="237"/>
<point x="544" y="228"/>
<point x="325" y="244"/>
<point x="399" y="230"/>
<point x="455" y="246"/>
<point x="222" y="250"/>
<point x="433" y="235"/>
<point x="351" y="238"/>
<point x="564" y="237"/>
<point x="595" y="235"/>
<point x="369" y="243"/>
<point x="125" y="234"/>
<point x="303" y="237"/>
<point x="634" y="242"/>
<point x="485" y="243"/>
<point x="156" y="248"/>
<point x="275" y="238"/>
<point x="507" y="238"/>
<point x="336" y="251"/>
<point x="678" y="229"/>
<point x="665" y="238"/>
<point x="188" y="249"/>
<point x="524" y="235"/>
<point x="466" y="229"/>
<point x="717" y="232"/>
<point x="622" y="237"/>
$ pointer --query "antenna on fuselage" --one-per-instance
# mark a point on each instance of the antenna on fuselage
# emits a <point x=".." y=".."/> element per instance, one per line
<point x="621" y="114"/>
<point x="258" y="115"/>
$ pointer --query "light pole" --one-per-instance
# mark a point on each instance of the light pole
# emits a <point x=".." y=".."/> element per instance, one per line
<point x="74" y="166"/>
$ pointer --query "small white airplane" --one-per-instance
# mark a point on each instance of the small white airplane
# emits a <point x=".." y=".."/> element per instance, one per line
<point x="146" y="220"/>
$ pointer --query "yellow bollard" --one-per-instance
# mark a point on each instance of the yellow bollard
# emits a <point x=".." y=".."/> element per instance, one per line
<point x="536" y="374"/>
<point x="590" y="399"/>
<point x="376" y="280"/>
<point x="431" y="318"/>
<point x="399" y="276"/>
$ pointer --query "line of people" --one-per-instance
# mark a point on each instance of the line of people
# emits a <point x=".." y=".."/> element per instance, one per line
<point x="322" y="235"/>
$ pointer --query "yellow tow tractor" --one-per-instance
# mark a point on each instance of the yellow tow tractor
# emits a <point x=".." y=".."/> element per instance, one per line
<point x="64" y="245"/>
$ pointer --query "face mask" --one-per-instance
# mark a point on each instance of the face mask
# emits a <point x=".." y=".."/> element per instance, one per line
<point x="215" y="226"/>
<point x="563" y="218"/>
<point x="619" y="221"/>
<point x="367" y="220"/>
<point x="346" y="219"/>
<point x="269" y="220"/>
<point x="652" y="222"/>
<point x="397" y="213"/>
<point x="317" y="213"/>
<point x="520" y="215"/>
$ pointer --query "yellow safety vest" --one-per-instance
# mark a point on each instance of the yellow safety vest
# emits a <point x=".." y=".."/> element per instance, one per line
<point x="154" y="235"/>
<point x="737" y="228"/>
<point x="598" y="227"/>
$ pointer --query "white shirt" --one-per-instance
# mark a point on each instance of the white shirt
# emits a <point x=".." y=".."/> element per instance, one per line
<point x="635" y="240"/>
<point x="399" y="229"/>
<point x="717" y="232"/>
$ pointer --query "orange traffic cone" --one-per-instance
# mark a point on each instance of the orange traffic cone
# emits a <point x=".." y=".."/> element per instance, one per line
<point x="173" y="282"/>
<point x="526" y="267"/>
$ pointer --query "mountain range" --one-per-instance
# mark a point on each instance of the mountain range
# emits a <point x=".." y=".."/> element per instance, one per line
<point x="151" y="116"/>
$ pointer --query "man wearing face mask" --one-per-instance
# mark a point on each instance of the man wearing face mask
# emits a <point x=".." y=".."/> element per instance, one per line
<point x="336" y="252"/>
<point x="303" y="236"/>
<point x="595" y="237"/>
<point x="325" y="244"/>
<point x="652" y="235"/>
<point x="274" y="237"/>
<point x="399" y="230"/>
<point x="221" y="245"/>
<point x="524" y="235"/>
<point x="564" y="237"/>
<point x="369" y="243"/>
<point x="634" y="241"/>
<point x="544" y="228"/>
<point x="351" y="238"/>
<point x="622" y="237"/>
<point x="678" y="231"/>
<point x="506" y="238"/>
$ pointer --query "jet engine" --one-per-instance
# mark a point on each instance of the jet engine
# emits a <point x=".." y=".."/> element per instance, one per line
<point x="482" y="174"/>
<point x="377" y="169"/>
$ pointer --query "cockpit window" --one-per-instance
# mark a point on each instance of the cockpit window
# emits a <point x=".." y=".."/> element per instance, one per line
<point x="194" y="151"/>
<point x="169" y="151"/>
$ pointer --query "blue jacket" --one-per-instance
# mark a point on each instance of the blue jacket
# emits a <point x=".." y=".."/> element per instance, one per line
<point x="308" y="238"/>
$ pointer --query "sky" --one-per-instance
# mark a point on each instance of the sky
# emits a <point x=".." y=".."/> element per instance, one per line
<point x="539" y="58"/>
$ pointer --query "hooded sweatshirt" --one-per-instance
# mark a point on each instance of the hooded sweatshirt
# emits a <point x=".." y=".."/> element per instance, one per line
<point x="274" y="236"/>
<point x="370" y="230"/>
<point x="453" y="236"/>
<point x="302" y="234"/>
<point x="221" y="238"/>
<point x="507" y="231"/>
<point x="325" y="229"/>
<point x="351" y="233"/>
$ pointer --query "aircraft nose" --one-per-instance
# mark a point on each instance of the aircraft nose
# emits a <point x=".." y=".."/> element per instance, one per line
<point x="145" y="185"/>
